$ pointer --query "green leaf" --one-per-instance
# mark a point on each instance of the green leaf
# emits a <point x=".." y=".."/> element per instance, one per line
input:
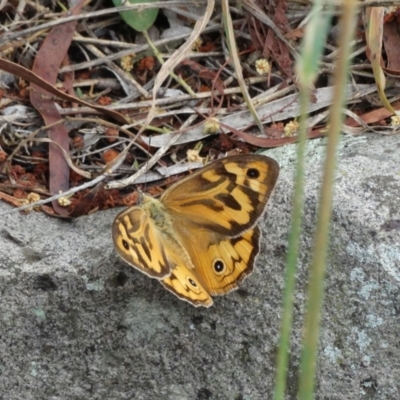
<point x="140" y="20"/>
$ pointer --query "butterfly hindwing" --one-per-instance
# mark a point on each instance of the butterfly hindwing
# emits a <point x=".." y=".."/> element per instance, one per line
<point x="184" y="283"/>
<point x="222" y="263"/>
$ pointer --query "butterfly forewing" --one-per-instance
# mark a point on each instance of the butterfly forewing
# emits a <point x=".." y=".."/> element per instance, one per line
<point x="228" y="196"/>
<point x="139" y="243"/>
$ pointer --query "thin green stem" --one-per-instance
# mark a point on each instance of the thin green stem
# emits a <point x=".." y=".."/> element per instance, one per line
<point x="307" y="70"/>
<point x="294" y="238"/>
<point x="161" y="61"/>
<point x="318" y="264"/>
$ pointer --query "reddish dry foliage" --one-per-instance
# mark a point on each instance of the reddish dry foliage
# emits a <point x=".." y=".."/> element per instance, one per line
<point x="78" y="142"/>
<point x="110" y="155"/>
<point x="112" y="134"/>
<point x="203" y="73"/>
<point x="146" y="64"/>
<point x="104" y="101"/>
<point x="3" y="156"/>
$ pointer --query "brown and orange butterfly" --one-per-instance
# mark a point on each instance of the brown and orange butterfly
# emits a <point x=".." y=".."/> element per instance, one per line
<point x="200" y="239"/>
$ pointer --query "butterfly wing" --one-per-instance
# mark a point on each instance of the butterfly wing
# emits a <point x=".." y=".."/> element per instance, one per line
<point x="146" y="247"/>
<point x="214" y="211"/>
<point x="183" y="282"/>
<point x="226" y="197"/>
<point x="138" y="242"/>
<point x="222" y="263"/>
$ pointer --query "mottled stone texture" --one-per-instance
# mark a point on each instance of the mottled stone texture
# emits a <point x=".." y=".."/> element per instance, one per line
<point x="76" y="323"/>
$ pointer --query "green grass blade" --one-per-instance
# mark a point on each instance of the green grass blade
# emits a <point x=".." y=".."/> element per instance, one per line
<point x="318" y="264"/>
<point x="307" y="68"/>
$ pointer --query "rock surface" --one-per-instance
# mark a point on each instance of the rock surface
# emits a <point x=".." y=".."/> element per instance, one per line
<point x="76" y="323"/>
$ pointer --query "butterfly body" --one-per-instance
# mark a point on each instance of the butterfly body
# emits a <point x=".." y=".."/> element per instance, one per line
<point x="200" y="238"/>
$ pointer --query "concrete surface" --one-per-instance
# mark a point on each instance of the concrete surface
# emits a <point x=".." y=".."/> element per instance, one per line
<point x="76" y="323"/>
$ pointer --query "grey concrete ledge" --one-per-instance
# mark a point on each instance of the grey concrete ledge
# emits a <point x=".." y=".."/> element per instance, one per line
<point x="76" y="323"/>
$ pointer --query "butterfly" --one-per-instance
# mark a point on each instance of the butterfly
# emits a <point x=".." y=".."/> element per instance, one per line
<point x="200" y="239"/>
